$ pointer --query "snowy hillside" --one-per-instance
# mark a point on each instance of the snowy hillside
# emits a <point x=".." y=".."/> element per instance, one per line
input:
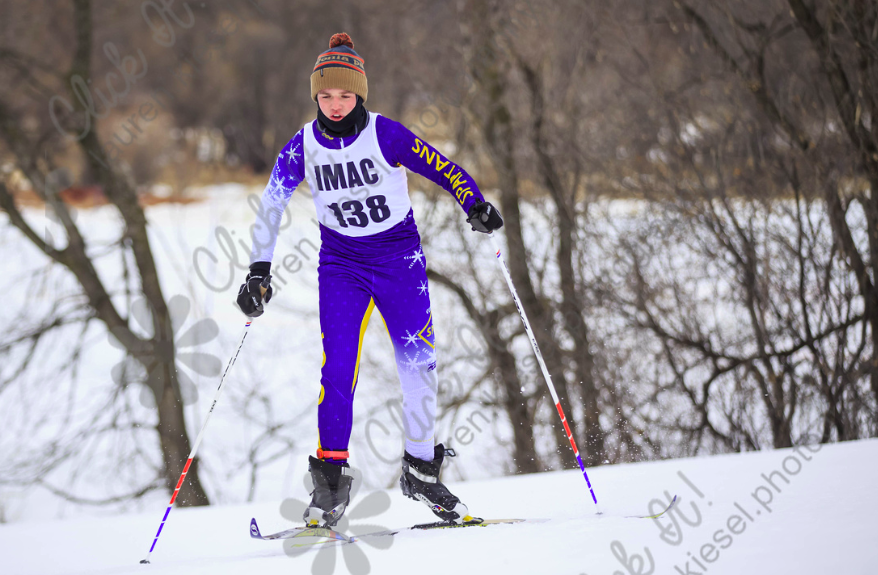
<point x="265" y="426"/>
<point x="806" y="510"/>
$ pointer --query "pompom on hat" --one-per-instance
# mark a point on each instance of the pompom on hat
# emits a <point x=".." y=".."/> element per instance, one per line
<point x="340" y="67"/>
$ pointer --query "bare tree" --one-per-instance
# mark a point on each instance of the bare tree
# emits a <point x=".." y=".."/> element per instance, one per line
<point x="730" y="265"/>
<point x="838" y="45"/>
<point x="30" y="150"/>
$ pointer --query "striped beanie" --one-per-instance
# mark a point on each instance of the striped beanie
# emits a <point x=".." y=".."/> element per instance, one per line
<point x="340" y="67"/>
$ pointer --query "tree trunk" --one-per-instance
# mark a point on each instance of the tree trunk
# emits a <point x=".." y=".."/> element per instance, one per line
<point x="495" y="123"/>
<point x="173" y="436"/>
<point x="524" y="452"/>
<point x="592" y="437"/>
<point x="175" y="440"/>
<point x="514" y="402"/>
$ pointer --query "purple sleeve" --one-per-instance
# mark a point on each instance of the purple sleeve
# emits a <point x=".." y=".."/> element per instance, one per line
<point x="289" y="170"/>
<point x="289" y="161"/>
<point x="286" y="176"/>
<point x="402" y="148"/>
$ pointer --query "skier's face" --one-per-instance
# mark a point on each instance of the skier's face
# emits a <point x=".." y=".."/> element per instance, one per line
<point x="336" y="103"/>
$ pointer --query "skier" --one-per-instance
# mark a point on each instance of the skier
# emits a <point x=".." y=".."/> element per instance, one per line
<point x="370" y="256"/>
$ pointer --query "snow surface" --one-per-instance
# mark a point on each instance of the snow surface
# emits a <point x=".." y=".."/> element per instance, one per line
<point x="820" y="519"/>
<point x="274" y="384"/>
<point x="821" y="522"/>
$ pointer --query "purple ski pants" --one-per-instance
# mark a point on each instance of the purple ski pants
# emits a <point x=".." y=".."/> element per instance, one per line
<point x="385" y="272"/>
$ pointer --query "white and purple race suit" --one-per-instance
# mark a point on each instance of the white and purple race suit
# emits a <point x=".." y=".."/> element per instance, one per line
<point x="370" y="257"/>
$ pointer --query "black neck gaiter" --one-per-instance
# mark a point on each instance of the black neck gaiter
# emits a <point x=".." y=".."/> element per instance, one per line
<point x="351" y="124"/>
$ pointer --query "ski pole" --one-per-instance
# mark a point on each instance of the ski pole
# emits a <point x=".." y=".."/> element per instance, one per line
<point x="536" y="348"/>
<point x="219" y="391"/>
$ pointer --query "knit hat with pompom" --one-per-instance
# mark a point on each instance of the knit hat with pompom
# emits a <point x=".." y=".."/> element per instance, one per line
<point x="340" y="67"/>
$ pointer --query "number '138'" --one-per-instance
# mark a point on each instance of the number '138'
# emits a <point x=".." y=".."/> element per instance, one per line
<point x="356" y="216"/>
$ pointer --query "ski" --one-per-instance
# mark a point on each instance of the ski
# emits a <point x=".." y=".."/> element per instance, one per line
<point x="657" y="515"/>
<point x="445" y="525"/>
<point x="324" y="535"/>
<point x="329" y="536"/>
<point x="299" y="532"/>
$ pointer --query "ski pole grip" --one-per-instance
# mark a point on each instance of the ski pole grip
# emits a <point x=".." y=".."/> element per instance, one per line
<point x="263" y="286"/>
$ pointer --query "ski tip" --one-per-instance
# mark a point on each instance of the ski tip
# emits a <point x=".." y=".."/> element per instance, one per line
<point x="254" y="529"/>
<point x="665" y="510"/>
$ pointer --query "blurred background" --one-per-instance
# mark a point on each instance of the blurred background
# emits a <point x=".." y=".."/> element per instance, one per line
<point x="687" y="187"/>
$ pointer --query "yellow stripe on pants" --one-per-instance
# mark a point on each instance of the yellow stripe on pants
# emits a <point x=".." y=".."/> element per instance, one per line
<point x="363" y="326"/>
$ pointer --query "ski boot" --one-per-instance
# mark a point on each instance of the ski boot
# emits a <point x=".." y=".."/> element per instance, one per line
<point x="331" y="495"/>
<point x="420" y="481"/>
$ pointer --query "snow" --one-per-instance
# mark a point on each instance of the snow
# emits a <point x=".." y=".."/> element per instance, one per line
<point x="818" y="518"/>
<point x="821" y="521"/>
<point x="202" y="254"/>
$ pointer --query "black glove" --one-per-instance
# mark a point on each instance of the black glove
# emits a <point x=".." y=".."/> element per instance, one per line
<point x="484" y="217"/>
<point x="250" y="298"/>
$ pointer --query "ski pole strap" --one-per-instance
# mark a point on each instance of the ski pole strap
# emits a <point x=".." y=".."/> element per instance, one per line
<point x="325" y="454"/>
